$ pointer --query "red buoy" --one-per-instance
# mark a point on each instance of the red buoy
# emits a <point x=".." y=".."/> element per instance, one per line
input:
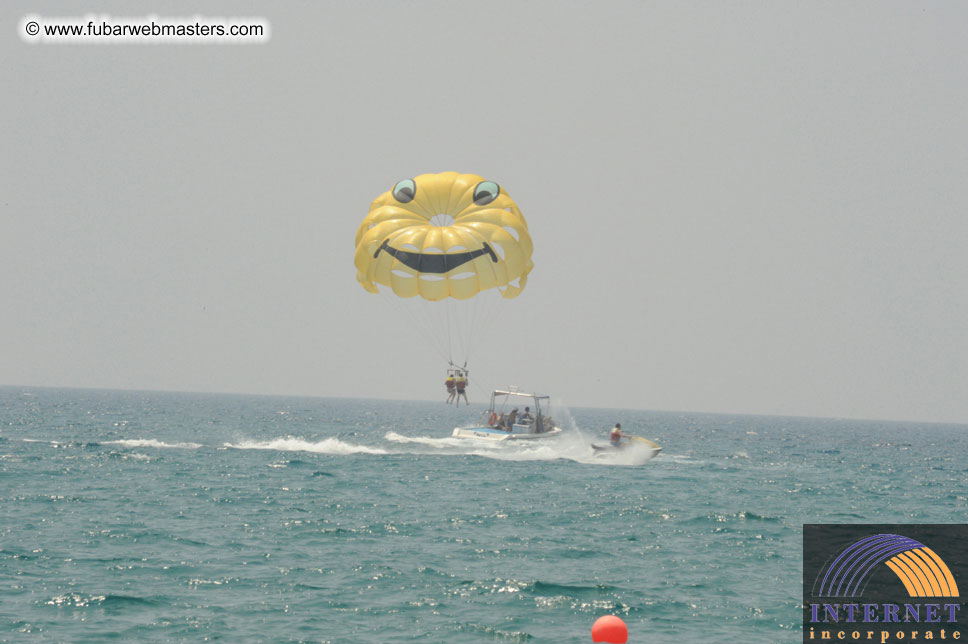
<point x="610" y="629"/>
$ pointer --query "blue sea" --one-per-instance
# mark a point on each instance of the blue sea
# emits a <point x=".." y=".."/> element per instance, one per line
<point x="172" y="517"/>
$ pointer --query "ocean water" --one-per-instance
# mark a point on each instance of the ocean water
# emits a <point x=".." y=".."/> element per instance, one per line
<point x="163" y="517"/>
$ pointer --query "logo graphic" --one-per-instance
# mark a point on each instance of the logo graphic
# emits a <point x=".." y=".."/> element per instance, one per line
<point x="922" y="572"/>
<point x="884" y="583"/>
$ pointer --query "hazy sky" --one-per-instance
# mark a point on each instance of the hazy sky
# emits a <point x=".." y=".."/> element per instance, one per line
<point x="736" y="207"/>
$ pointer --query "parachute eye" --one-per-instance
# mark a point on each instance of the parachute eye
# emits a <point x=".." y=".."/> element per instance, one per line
<point x="486" y="192"/>
<point x="405" y="191"/>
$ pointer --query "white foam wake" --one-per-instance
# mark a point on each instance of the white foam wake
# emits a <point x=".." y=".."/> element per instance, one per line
<point x="327" y="446"/>
<point x="440" y="443"/>
<point x="634" y="454"/>
<point x="572" y="445"/>
<point x="150" y="442"/>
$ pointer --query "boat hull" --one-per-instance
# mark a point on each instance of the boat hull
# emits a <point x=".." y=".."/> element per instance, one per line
<point x="520" y="432"/>
<point x="625" y="447"/>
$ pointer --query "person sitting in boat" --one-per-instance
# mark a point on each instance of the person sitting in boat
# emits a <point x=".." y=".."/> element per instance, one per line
<point x="461" y="384"/>
<point x="502" y="422"/>
<point x="450" y="383"/>
<point x="616" y="436"/>
<point x="526" y="417"/>
<point x="512" y="418"/>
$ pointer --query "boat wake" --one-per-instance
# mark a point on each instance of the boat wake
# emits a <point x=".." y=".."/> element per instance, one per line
<point x="633" y="454"/>
<point x="332" y="446"/>
<point x="448" y="443"/>
<point x="150" y="442"/>
<point x="571" y="445"/>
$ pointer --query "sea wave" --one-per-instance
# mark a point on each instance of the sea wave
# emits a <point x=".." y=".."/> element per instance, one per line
<point x="78" y="600"/>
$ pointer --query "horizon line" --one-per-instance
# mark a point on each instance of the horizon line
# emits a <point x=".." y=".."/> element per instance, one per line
<point x="633" y="409"/>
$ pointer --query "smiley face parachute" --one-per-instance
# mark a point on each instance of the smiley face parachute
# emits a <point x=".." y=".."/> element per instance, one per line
<point x="444" y="235"/>
<point x="445" y="239"/>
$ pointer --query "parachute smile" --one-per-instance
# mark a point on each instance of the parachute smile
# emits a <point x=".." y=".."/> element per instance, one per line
<point x="434" y="262"/>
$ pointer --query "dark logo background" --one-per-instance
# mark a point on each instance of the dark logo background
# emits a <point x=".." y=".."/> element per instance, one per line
<point x="823" y="542"/>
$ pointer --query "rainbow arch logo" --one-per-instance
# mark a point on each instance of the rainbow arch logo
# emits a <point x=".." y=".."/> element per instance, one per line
<point x="919" y="568"/>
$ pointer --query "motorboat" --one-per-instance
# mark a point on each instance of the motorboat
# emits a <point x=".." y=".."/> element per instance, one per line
<point x="502" y="421"/>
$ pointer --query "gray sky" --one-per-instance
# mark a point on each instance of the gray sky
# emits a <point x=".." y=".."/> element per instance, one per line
<point x="736" y="207"/>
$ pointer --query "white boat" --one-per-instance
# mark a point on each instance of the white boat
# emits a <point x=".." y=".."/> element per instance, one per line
<point x="493" y="426"/>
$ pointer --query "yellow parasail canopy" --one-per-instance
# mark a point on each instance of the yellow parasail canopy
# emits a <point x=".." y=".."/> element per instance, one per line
<point x="444" y="235"/>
